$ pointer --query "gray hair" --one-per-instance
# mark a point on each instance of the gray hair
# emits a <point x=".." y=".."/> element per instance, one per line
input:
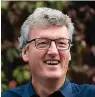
<point x="44" y="16"/>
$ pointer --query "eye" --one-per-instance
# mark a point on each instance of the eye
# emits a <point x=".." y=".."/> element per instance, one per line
<point x="63" y="43"/>
<point x="42" y="43"/>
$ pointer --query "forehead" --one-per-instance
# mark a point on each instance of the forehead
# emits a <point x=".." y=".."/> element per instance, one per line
<point x="52" y="32"/>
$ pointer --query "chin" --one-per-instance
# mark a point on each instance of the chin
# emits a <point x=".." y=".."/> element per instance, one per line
<point x="54" y="75"/>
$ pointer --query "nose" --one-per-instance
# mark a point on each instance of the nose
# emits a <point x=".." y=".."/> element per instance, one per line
<point x="53" y="51"/>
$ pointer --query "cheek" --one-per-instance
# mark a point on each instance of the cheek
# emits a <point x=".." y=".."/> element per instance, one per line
<point x="35" y="61"/>
<point x="64" y="56"/>
<point x="35" y="56"/>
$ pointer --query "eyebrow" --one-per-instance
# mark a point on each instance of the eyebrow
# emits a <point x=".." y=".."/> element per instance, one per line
<point x="54" y="38"/>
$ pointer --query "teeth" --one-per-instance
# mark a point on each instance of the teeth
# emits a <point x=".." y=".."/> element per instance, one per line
<point x="52" y="62"/>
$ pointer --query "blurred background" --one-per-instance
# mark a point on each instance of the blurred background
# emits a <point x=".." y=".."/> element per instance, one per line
<point x="15" y="72"/>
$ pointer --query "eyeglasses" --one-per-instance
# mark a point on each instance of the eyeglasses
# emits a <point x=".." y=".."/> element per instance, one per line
<point x="44" y="43"/>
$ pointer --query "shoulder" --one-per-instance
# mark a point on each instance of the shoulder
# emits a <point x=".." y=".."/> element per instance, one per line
<point x="83" y="90"/>
<point x="14" y="92"/>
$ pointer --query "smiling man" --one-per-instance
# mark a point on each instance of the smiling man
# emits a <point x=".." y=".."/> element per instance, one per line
<point x="45" y="43"/>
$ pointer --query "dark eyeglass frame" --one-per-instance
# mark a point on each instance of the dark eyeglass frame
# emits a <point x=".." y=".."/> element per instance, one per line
<point x="69" y="43"/>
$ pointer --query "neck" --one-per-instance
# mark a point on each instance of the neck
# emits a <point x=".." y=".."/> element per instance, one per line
<point x="45" y="87"/>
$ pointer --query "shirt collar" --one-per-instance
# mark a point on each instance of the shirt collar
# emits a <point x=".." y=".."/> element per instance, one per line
<point x="29" y="91"/>
<point x="66" y="90"/>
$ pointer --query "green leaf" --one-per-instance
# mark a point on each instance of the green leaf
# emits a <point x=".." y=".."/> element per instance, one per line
<point x="20" y="78"/>
<point x="4" y="87"/>
<point x="26" y="74"/>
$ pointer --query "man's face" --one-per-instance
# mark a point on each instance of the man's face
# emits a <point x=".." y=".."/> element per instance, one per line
<point x="50" y="63"/>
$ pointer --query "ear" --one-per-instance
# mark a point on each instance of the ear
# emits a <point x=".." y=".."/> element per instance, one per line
<point x="25" y="54"/>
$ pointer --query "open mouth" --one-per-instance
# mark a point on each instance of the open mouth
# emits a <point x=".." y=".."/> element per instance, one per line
<point x="52" y="62"/>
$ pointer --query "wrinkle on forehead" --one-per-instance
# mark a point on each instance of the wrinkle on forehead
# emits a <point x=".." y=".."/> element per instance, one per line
<point x="49" y="31"/>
